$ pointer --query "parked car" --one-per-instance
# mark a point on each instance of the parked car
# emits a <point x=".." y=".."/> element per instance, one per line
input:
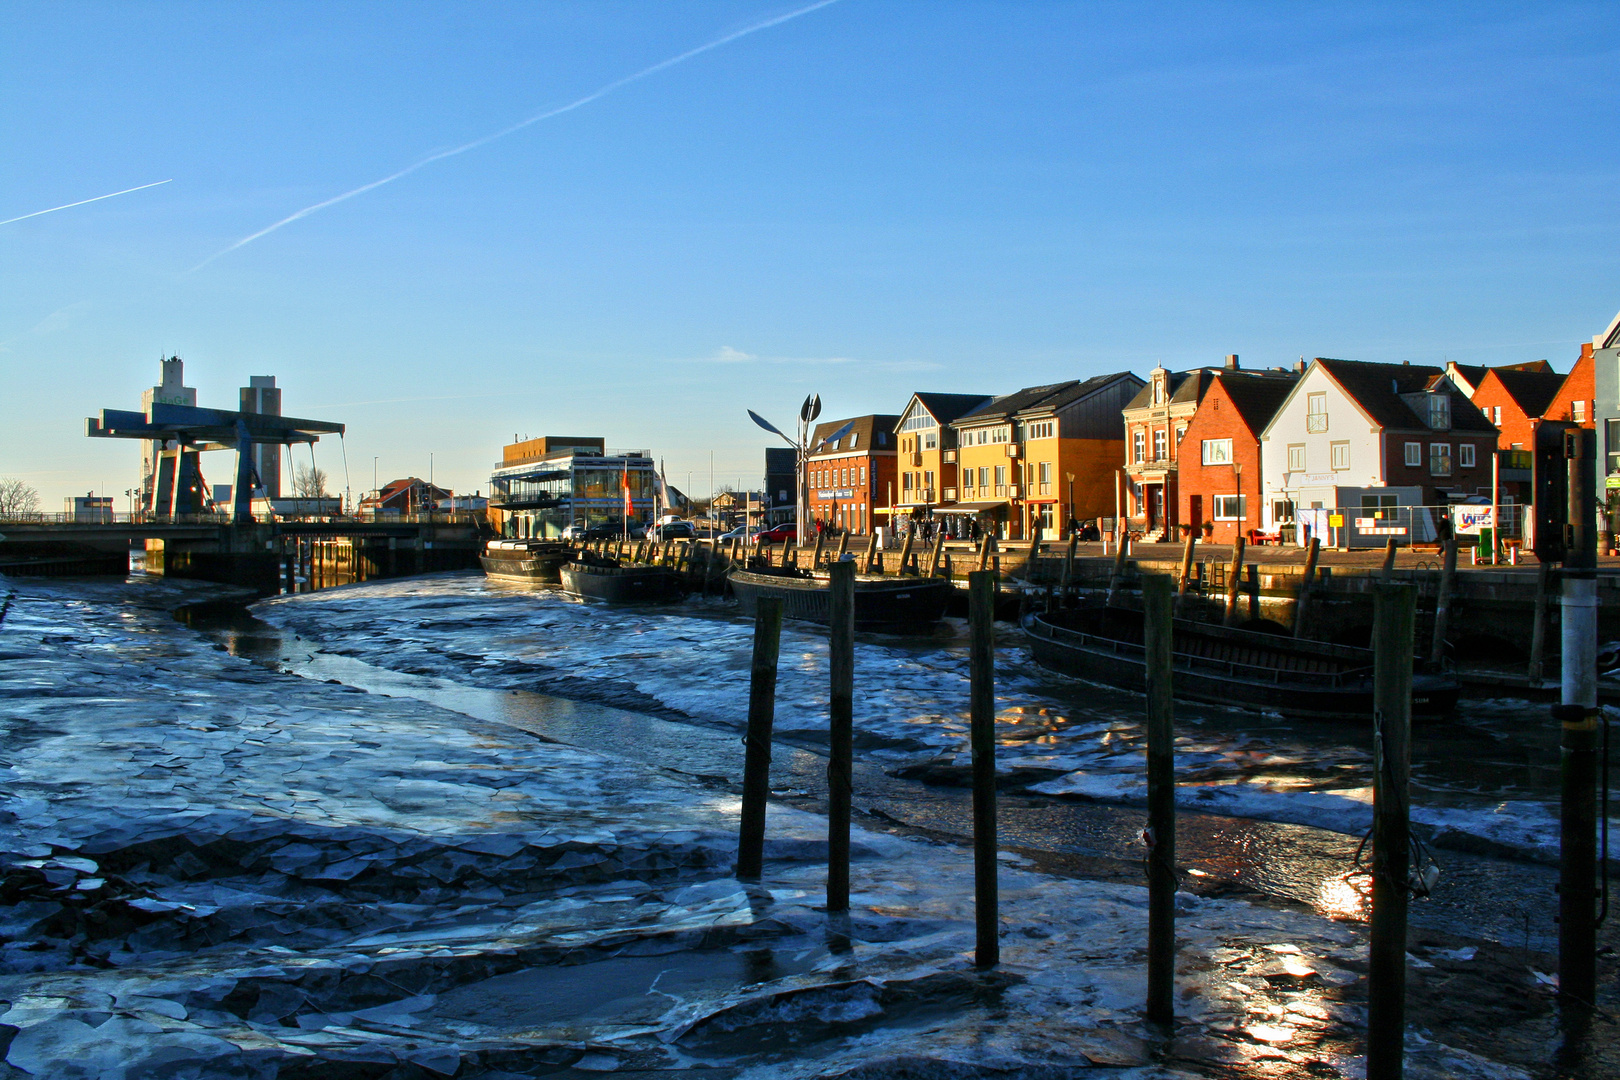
<point x="610" y="530"/>
<point x="741" y="532"/>
<point x="675" y="530"/>
<point x="786" y="531"/>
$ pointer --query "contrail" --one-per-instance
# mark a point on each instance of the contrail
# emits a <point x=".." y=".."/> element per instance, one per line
<point x="81" y="202"/>
<point x="521" y="124"/>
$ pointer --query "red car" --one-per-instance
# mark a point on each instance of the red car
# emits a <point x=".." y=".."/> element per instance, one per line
<point x="786" y="531"/>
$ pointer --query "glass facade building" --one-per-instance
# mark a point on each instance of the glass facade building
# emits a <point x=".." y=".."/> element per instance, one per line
<point x="544" y="485"/>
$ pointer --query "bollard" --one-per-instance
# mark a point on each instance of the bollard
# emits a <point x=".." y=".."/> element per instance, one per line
<point x="982" y="738"/>
<point x="1158" y="629"/>
<point x="1389" y="560"/>
<point x="1394" y="618"/>
<point x="843" y="543"/>
<point x="984" y="551"/>
<point x="1119" y="572"/>
<point x="1304" y="600"/>
<point x="840" y="730"/>
<point x="1186" y="566"/>
<point x="933" y="556"/>
<point x="815" y="556"/>
<point x="1068" y="565"/>
<point x="1233" y="576"/>
<point x="761" y="717"/>
<point x="905" y="552"/>
<point x="1034" y="553"/>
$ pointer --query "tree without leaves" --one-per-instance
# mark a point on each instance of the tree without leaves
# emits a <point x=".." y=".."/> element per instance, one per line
<point x="309" y="482"/>
<point x="17" y="498"/>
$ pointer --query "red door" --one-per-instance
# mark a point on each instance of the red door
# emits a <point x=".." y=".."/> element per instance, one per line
<point x="1195" y="511"/>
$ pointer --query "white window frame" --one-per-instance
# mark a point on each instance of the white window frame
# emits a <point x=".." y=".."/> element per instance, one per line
<point x="1339" y="456"/>
<point x="1440" y="411"/>
<point x="1577" y="411"/>
<point x="1316" y="414"/>
<point x="1161" y="444"/>
<point x="1296" y="457"/>
<point x="1440" y="461"/>
<point x="1138" y="445"/>
<point x="1414" y="455"/>
<point x="1465" y="455"/>
<point x="854" y="437"/>
<point x="1217" y="452"/>
<point x="1223" y="506"/>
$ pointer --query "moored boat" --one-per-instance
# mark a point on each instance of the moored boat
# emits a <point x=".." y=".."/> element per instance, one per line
<point x="894" y="604"/>
<point x="598" y="578"/>
<point x="525" y="560"/>
<point x="1225" y="666"/>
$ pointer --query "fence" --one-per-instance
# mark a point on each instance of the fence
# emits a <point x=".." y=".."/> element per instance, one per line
<point x="139" y="517"/>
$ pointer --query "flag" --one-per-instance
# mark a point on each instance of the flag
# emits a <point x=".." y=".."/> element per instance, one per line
<point x="629" y="506"/>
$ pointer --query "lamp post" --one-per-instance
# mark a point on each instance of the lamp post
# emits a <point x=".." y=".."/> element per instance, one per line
<point x="374" y="476"/>
<point x="1237" y="477"/>
<point x="1069" y="476"/>
<point x="808" y="412"/>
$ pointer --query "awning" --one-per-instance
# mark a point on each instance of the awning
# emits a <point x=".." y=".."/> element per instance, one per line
<point x="978" y="507"/>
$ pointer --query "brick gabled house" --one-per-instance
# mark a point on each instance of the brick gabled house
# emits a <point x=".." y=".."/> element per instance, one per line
<point x="1468" y="377"/>
<point x="1219" y="469"/>
<point x="1512" y="399"/>
<point x="1155" y="421"/>
<point x="1367" y="438"/>
<point x="1575" y="399"/>
<point x="851" y="477"/>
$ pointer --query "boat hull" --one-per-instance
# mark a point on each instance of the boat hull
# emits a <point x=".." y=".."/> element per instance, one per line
<point x="519" y="561"/>
<point x="896" y="605"/>
<point x="1232" y="667"/>
<point x="621" y="584"/>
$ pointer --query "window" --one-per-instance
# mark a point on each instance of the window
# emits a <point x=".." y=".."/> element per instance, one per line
<point x="1611" y="445"/>
<point x="1296" y="457"/>
<point x="917" y="421"/>
<point x="1378" y="506"/>
<point x="1414" y="454"/>
<point x="1341" y="455"/>
<point x="1181" y="433"/>
<point x="863" y="475"/>
<point x="1159" y="439"/>
<point x="1465" y="455"/>
<point x="1138" y="445"/>
<point x="1045" y="474"/>
<point x="1577" y="411"/>
<point x="984" y="476"/>
<point x="835" y="444"/>
<point x="1041" y="429"/>
<point x="1316" y="421"/>
<point x="1001" y="479"/>
<point x="883" y="438"/>
<point x="930" y="440"/>
<point x="1440" y="412"/>
<point x="1217" y="452"/>
<point x="1282" y="510"/>
<point x="1001" y="435"/>
<point x="905" y="481"/>
<point x="1439" y="459"/>
<point x="928" y="480"/>
<point x="854" y="437"/>
<point x="1231" y="507"/>
<point x="967" y="483"/>
<point x="1496" y="415"/>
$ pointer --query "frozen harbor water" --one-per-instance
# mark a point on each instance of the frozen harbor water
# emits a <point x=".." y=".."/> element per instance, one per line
<point x="213" y="868"/>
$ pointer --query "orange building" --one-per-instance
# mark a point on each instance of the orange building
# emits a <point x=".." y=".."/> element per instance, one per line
<point x="1513" y="399"/>
<point x="1575" y="399"/>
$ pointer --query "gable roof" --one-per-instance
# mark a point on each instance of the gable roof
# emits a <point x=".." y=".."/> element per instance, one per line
<point x="1182" y="386"/>
<point x="865" y="429"/>
<point x="1532" y="391"/>
<point x="1041" y="398"/>
<point x="1377" y="388"/>
<point x="1257" y="395"/>
<point x="947" y="407"/>
<point x="1610" y="337"/>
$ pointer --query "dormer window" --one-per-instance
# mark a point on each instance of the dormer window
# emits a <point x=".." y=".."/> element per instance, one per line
<point x="1158" y="390"/>
<point x="1440" y="412"/>
<point x="854" y="437"/>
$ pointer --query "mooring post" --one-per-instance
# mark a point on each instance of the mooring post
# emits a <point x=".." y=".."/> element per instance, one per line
<point x="1302" y="604"/>
<point x="1034" y="553"/>
<point x="982" y="739"/>
<point x="1578" y="715"/>
<point x="1161" y="799"/>
<point x="984" y="551"/>
<point x="905" y="551"/>
<point x="933" y="556"/>
<point x="815" y="557"/>
<point x="1068" y="564"/>
<point x="840" y="730"/>
<point x="1234" y="577"/>
<point x="1186" y="567"/>
<point x="757" y="755"/>
<point x="843" y="543"/>
<point x="871" y="552"/>
<point x="1442" y="603"/>
<point x="1118" y="575"/>
<point x="1538" y="624"/>
<point x="1394" y="619"/>
<point x="1388" y="573"/>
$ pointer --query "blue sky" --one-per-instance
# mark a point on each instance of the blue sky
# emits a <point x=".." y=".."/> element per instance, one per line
<point x="869" y="199"/>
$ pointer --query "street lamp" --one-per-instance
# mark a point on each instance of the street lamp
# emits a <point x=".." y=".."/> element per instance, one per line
<point x="801" y="450"/>
<point x="1237" y="477"/>
<point x="1069" y="476"/>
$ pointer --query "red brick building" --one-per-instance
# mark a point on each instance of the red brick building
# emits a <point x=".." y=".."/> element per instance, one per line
<point x="1219" y="474"/>
<point x="851" y="477"/>
<point x="1575" y="398"/>
<point x="1512" y="399"/>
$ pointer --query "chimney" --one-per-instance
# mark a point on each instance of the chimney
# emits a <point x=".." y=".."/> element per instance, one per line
<point x="1231" y="362"/>
<point x="1299" y="365"/>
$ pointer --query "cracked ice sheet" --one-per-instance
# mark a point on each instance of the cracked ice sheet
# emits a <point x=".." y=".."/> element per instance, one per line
<point x="910" y="702"/>
<point x="267" y="946"/>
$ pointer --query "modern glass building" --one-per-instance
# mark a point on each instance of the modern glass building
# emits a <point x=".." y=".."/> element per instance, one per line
<point x="541" y="486"/>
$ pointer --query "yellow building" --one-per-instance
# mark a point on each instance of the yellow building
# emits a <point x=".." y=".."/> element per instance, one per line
<point x="1044" y="455"/>
<point x="926" y="473"/>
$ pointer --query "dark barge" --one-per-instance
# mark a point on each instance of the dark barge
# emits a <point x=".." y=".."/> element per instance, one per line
<point x="892" y="604"/>
<point x="525" y="560"/>
<point x="595" y="577"/>
<point x="1225" y="666"/>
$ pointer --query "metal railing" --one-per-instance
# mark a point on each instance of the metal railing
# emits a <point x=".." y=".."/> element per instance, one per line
<point x="439" y="517"/>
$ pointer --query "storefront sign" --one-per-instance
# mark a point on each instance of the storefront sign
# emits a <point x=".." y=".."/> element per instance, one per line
<point x="1468" y="520"/>
<point x="841" y="493"/>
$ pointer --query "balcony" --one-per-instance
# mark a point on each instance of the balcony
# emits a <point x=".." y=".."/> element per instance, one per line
<point x="1316" y="423"/>
<point x="949" y="457"/>
<point x="1012" y="449"/>
<point x="950" y="495"/>
<point x="916" y="460"/>
<point x="1012" y="491"/>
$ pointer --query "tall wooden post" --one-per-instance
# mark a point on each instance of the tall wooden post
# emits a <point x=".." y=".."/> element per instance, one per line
<point x="1303" y="602"/>
<point x="1161" y="797"/>
<point x="1538" y="625"/>
<point x="1068" y="563"/>
<point x="1388" y="573"/>
<point x="1442" y="603"/>
<point x="1394" y="618"/>
<point x="905" y="549"/>
<point x="982" y="739"/>
<point x="843" y="543"/>
<point x="1034" y="553"/>
<point x="984" y="550"/>
<point x="871" y="553"/>
<point x="1234" y="575"/>
<point x="933" y="554"/>
<point x="761" y="718"/>
<point x="1186" y="566"/>
<point x="840" y="731"/>
<point x="815" y="558"/>
<point x="1119" y="569"/>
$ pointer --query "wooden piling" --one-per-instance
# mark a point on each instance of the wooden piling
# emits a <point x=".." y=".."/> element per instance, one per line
<point x="1538" y="627"/>
<point x="1394" y="618"/>
<point x="761" y="718"/>
<point x="933" y="556"/>
<point x="1119" y="569"/>
<point x="815" y="556"/>
<point x="1234" y="577"/>
<point x="840" y="730"/>
<point x="871" y="553"/>
<point x="982" y="740"/>
<point x="1388" y="573"/>
<point x="1442" y="603"/>
<point x="905" y="551"/>
<point x="984" y="550"/>
<point x="1186" y="566"/>
<point x="843" y="543"/>
<point x="1303" y="603"/>
<point x="1068" y="563"/>
<point x="1034" y="553"/>
<point x="1161" y="799"/>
